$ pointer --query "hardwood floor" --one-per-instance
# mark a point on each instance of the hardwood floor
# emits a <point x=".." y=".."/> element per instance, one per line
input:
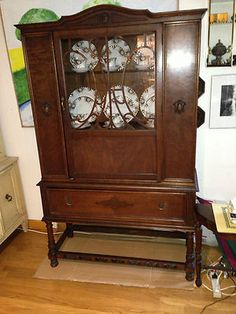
<point x="21" y="293"/>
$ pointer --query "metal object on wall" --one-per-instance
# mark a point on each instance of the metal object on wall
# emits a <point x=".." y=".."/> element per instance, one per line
<point x="200" y="111"/>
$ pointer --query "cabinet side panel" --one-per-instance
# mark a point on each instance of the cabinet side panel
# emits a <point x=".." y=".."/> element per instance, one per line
<point x="181" y="49"/>
<point x="45" y="104"/>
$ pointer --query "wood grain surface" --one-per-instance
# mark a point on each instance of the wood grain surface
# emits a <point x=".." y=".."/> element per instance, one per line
<point x="21" y="293"/>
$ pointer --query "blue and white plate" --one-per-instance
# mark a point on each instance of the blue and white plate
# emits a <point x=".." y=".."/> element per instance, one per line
<point x="147" y="105"/>
<point x="117" y="56"/>
<point x="84" y="107"/>
<point x="84" y="56"/>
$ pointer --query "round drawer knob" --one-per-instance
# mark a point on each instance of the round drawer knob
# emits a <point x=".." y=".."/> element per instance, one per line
<point x="8" y="197"/>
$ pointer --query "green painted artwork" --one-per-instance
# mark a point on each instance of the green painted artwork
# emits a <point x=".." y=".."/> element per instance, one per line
<point x="92" y="3"/>
<point x="36" y="15"/>
<point x="21" y="86"/>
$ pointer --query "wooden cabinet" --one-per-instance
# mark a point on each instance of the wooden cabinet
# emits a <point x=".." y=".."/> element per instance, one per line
<point x="114" y="94"/>
<point x="12" y="206"/>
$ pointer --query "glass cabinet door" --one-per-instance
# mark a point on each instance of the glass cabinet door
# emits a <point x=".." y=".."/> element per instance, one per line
<point x="110" y="81"/>
<point x="111" y="102"/>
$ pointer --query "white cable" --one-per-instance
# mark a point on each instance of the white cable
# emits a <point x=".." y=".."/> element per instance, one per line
<point x="226" y="294"/>
<point x="221" y="289"/>
<point x="208" y="288"/>
<point x="218" y="279"/>
<point x="229" y="294"/>
<point x="40" y="232"/>
<point x="226" y="288"/>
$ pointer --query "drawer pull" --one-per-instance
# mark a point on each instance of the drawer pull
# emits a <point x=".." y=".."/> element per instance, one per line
<point x="8" y="197"/>
<point x="63" y="104"/>
<point x="68" y="202"/>
<point x="162" y="206"/>
<point x="179" y="106"/>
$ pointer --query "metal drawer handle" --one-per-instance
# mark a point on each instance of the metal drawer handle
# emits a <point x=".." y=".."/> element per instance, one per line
<point x="162" y="206"/>
<point x="8" y="197"/>
<point x="68" y="202"/>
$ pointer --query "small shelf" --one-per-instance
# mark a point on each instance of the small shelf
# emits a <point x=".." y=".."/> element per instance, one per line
<point x="218" y="23"/>
<point x="219" y="65"/>
<point x="97" y="72"/>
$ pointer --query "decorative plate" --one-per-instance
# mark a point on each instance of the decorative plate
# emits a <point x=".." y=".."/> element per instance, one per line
<point x="144" y="58"/>
<point x="147" y="105"/>
<point x="84" y="106"/>
<point x="124" y="105"/>
<point x="84" y="56"/>
<point x="118" y="54"/>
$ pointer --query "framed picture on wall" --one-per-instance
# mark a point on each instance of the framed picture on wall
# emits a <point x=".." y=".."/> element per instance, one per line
<point x="223" y="101"/>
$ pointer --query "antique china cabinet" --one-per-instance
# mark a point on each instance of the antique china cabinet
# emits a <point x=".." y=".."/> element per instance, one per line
<point x="114" y="94"/>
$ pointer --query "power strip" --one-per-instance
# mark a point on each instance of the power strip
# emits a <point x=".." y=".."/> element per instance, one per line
<point x="215" y="285"/>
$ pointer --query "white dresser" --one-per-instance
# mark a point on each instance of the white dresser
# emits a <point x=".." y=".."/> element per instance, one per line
<point x="12" y="205"/>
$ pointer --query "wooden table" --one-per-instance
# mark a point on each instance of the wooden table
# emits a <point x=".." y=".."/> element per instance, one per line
<point x="205" y="217"/>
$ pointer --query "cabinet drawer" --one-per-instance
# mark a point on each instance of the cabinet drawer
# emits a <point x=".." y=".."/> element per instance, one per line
<point x="116" y="205"/>
<point x="8" y="202"/>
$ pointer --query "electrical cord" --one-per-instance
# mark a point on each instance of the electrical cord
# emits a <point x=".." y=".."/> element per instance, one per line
<point x="220" y="300"/>
<point x="40" y="232"/>
<point x="227" y="296"/>
<point x="218" y="279"/>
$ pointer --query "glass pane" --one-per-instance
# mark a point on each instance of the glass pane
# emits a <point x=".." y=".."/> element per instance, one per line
<point x="110" y="82"/>
<point x="220" y="32"/>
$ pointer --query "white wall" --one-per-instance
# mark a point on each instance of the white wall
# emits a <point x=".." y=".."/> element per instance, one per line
<point x="216" y="148"/>
<point x="18" y="141"/>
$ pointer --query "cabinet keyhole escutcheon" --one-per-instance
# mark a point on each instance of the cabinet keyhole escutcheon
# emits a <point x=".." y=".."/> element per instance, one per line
<point x="179" y="106"/>
<point x="68" y="202"/>
<point x="46" y="108"/>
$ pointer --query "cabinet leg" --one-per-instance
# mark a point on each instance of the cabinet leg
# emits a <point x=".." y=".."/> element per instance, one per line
<point x="51" y="245"/>
<point x="189" y="257"/>
<point x="24" y="225"/>
<point x="198" y="252"/>
<point x="69" y="230"/>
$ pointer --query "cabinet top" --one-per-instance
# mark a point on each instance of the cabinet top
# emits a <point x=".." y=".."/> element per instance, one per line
<point x="110" y="15"/>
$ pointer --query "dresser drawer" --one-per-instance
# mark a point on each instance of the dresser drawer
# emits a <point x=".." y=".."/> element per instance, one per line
<point x="12" y="206"/>
<point x="8" y="198"/>
<point x="116" y="205"/>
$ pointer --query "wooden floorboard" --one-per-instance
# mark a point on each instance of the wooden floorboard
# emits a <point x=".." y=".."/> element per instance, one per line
<point x="21" y="293"/>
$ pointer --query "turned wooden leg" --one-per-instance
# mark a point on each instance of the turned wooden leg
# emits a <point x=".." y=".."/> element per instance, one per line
<point x="51" y="245"/>
<point x="69" y="230"/>
<point x="189" y="257"/>
<point x="198" y="252"/>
